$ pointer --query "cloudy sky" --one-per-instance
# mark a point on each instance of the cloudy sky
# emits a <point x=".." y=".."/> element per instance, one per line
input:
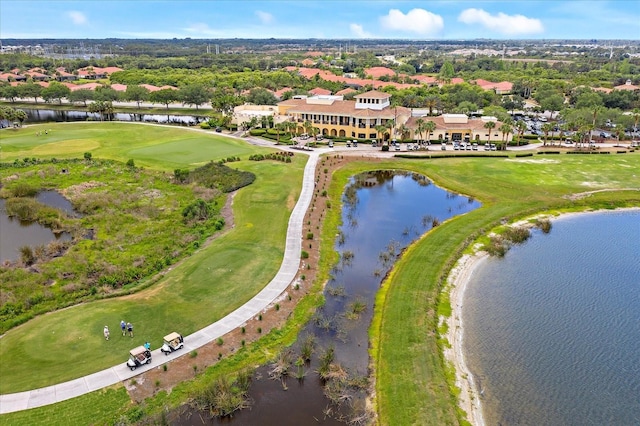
<point x="446" y="19"/>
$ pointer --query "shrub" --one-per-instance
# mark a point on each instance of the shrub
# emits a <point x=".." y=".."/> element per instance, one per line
<point x="309" y="235"/>
<point x="131" y="163"/>
<point x="205" y="125"/>
<point x="220" y="342"/>
<point x="518" y="234"/>
<point x="87" y="156"/>
<point x="304" y="254"/>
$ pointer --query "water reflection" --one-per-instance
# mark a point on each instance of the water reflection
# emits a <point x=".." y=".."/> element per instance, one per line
<point x="16" y="233"/>
<point x="383" y="212"/>
<point x="44" y="115"/>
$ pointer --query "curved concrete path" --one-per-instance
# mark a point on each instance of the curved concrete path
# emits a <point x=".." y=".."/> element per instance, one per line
<point x="287" y="272"/>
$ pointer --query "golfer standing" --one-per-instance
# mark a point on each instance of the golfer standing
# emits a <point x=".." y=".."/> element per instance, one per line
<point x="106" y="332"/>
<point x="123" y="327"/>
<point x="130" y="329"/>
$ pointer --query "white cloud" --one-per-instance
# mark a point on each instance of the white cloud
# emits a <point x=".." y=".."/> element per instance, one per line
<point x="201" y="29"/>
<point x="358" y="31"/>
<point x="265" y="17"/>
<point x="77" y="18"/>
<point x="418" y="21"/>
<point x="502" y="23"/>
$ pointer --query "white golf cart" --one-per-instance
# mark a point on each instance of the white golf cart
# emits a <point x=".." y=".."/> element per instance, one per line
<point x="138" y="356"/>
<point x="172" y="342"/>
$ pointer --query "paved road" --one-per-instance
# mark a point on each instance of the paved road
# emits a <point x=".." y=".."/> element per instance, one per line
<point x="287" y="272"/>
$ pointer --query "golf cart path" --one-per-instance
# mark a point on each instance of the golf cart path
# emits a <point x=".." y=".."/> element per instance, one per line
<point x="284" y="277"/>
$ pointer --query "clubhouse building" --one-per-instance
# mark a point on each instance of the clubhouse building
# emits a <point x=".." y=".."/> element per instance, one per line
<point x="362" y="117"/>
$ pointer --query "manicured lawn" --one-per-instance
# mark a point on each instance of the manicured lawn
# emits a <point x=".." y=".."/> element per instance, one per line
<point x="211" y="283"/>
<point x="159" y="147"/>
<point x="96" y="408"/>
<point x="412" y="383"/>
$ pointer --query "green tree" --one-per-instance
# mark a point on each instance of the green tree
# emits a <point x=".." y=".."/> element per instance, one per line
<point x="82" y="95"/>
<point x="106" y="93"/>
<point x="164" y="96"/>
<point x="506" y="128"/>
<point x="420" y="127"/>
<point x="224" y="100"/>
<point x="521" y="127"/>
<point x="20" y="116"/>
<point x="430" y="127"/>
<point x="194" y="94"/>
<point x="489" y="125"/>
<point x="261" y="96"/>
<point x="546" y="129"/>
<point x="446" y="71"/>
<point x="55" y="91"/>
<point x="136" y="94"/>
<point x="30" y="90"/>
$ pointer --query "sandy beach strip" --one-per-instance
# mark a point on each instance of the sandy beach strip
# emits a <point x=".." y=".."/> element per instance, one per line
<point x="457" y="281"/>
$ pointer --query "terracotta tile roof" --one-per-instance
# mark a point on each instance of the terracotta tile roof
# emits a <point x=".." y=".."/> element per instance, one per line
<point x="168" y="87"/>
<point x="8" y="75"/>
<point x="373" y="94"/>
<point x="86" y="86"/>
<point x="346" y="91"/>
<point x="314" y="53"/>
<point x="377" y="72"/>
<point x="119" y="87"/>
<point x="345" y="108"/>
<point x="425" y="79"/>
<point x="319" y="91"/>
<point x="627" y="86"/>
<point x="603" y="89"/>
<point x="308" y="62"/>
<point x="279" y="93"/>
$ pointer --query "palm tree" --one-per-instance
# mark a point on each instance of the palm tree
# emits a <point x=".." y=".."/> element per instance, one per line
<point x="506" y="129"/>
<point x="280" y="127"/>
<point x="430" y="127"/>
<point x="596" y="111"/>
<point x="489" y="125"/>
<point x="521" y="127"/>
<point x="390" y="125"/>
<point x="432" y="103"/>
<point x="547" y="128"/>
<point x="404" y="131"/>
<point x="420" y="127"/>
<point x="636" y="117"/>
<point x="380" y="130"/>
<point x="307" y="126"/>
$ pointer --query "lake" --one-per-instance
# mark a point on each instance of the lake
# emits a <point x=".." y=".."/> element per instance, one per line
<point x="552" y="331"/>
<point x="383" y="212"/>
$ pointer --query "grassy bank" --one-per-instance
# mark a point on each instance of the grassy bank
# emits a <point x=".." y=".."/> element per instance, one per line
<point x="205" y="287"/>
<point x="413" y="384"/>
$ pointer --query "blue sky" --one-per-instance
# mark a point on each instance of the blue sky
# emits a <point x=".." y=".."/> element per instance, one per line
<point x="427" y="20"/>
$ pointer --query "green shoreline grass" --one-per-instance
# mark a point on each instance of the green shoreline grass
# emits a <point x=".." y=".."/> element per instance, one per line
<point x="413" y="386"/>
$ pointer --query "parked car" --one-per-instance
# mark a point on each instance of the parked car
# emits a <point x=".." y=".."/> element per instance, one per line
<point x="355" y="143"/>
<point x="138" y="356"/>
<point x="397" y="147"/>
<point x="487" y="147"/>
<point x="475" y="146"/>
<point x="172" y="342"/>
<point x="374" y="143"/>
<point x="330" y="144"/>
<point x="444" y="147"/>
<point x="492" y="147"/>
<point x="348" y="143"/>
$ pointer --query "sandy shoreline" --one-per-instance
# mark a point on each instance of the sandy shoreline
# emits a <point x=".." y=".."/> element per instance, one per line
<point x="457" y="282"/>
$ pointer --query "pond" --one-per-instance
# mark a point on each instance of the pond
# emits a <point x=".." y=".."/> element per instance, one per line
<point x="18" y="233"/>
<point x="383" y="212"/>
<point x="46" y="115"/>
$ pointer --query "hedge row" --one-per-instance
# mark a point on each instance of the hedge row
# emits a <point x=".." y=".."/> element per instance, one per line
<point x="451" y="156"/>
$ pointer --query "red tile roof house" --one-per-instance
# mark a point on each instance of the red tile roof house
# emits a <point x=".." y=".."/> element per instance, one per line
<point x="502" y="88"/>
<point x="119" y="87"/>
<point x="8" y="76"/>
<point x="36" y="76"/>
<point x="377" y="72"/>
<point x="97" y="72"/>
<point x="61" y="74"/>
<point x="627" y="86"/>
<point x="318" y="91"/>
<point x="280" y="93"/>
